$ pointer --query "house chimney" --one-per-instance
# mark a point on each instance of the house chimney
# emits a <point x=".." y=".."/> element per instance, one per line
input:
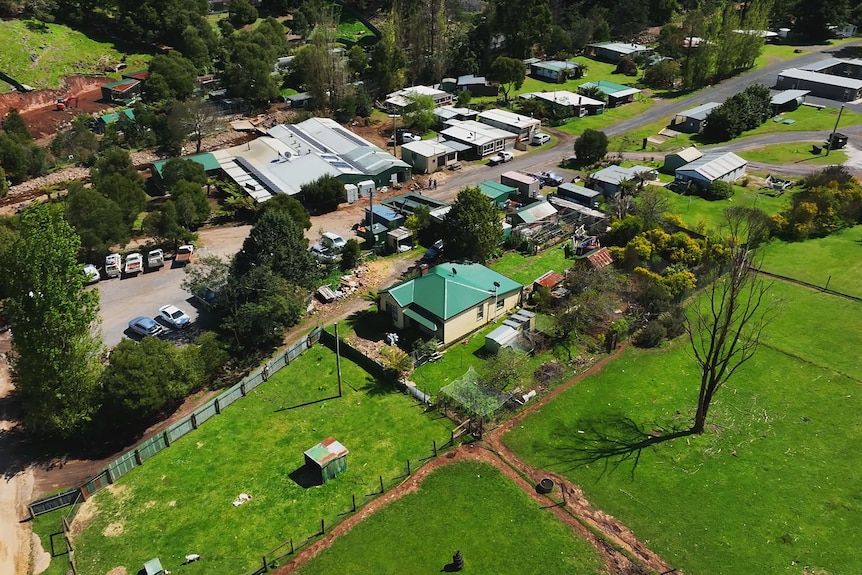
<point x="423" y="269"/>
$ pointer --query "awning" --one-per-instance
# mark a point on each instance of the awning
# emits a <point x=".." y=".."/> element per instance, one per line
<point x="420" y="319"/>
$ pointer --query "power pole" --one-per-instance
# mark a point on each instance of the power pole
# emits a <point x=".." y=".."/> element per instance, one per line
<point x="835" y="129"/>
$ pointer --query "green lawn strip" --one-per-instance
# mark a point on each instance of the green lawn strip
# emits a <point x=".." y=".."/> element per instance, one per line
<point x="179" y="502"/>
<point x="766" y="492"/>
<point x="815" y="261"/>
<point x="805" y="119"/>
<point x="766" y="482"/>
<point x="792" y="153"/>
<point x="610" y="117"/>
<point x="40" y="58"/>
<point x="703" y="215"/>
<point x="352" y="30"/>
<point x="526" y="269"/>
<point x="44" y="526"/>
<point x="469" y="507"/>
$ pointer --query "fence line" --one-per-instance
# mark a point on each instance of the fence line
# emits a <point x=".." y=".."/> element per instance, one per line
<point x="150" y="447"/>
<point x="348" y="351"/>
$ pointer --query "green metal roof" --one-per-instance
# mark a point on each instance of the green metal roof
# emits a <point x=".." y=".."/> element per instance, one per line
<point x="419" y="318"/>
<point x="111" y="118"/>
<point x="495" y="190"/>
<point x="605" y="87"/>
<point x="449" y="289"/>
<point x="206" y="159"/>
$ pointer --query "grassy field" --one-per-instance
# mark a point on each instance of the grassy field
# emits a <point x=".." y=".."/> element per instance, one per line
<point x="44" y="526"/>
<point x="765" y="490"/>
<point x="180" y="500"/>
<point x="470" y="507"/>
<point x="40" y="54"/>
<point x="805" y="119"/>
<point x="792" y="153"/>
<point x="526" y="269"/>
<point x="699" y="214"/>
<point x="837" y="256"/>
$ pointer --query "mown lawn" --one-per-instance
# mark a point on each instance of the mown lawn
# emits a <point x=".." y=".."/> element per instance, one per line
<point x="526" y="269"/>
<point x="836" y="258"/>
<point x="44" y="526"/>
<point x="792" y="153"/>
<point x="40" y="54"/>
<point x="766" y="489"/>
<point x="805" y="119"/>
<point x="703" y="215"/>
<point x="179" y="502"/>
<point x="469" y="507"/>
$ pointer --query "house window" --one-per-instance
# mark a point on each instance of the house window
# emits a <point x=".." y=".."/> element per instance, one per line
<point x="480" y="313"/>
<point x="393" y="313"/>
<point x="500" y="304"/>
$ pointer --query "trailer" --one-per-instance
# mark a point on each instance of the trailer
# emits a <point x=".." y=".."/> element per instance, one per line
<point x="527" y="186"/>
<point x="184" y="254"/>
<point x="113" y="265"/>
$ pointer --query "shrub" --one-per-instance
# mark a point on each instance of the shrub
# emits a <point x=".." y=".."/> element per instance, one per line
<point x="673" y="322"/>
<point x="651" y="336"/>
<point x="719" y="190"/>
<point x="627" y="66"/>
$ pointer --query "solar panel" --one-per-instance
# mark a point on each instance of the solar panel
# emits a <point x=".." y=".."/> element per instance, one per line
<point x="258" y="175"/>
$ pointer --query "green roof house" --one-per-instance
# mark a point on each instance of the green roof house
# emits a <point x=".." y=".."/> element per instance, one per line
<point x="208" y="161"/>
<point x="450" y="301"/>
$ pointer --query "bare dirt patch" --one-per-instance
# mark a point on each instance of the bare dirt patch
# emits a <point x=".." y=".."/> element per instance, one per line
<point x="114" y="529"/>
<point x="83" y="516"/>
<point x="41" y="559"/>
<point x="149" y="504"/>
<point x="117" y="571"/>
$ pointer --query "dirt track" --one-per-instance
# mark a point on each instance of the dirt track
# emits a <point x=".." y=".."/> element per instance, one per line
<point x="622" y="552"/>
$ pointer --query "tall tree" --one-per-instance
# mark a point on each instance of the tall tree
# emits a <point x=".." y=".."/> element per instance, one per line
<point x="388" y="64"/>
<point x="591" y="146"/>
<point x="98" y="220"/>
<point x="509" y="72"/>
<point x="472" y="227"/>
<point x="726" y="329"/>
<point x="290" y="206"/>
<point x="55" y="354"/>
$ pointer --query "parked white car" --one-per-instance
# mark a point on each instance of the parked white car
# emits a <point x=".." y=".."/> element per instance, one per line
<point x="92" y="274"/>
<point x="540" y="138"/>
<point x="333" y="239"/>
<point x="176" y="317"/>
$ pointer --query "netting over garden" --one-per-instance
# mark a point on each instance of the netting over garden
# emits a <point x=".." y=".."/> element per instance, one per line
<point x="470" y="395"/>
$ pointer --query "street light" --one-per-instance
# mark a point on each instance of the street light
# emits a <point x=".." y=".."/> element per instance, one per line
<point x="496" y="287"/>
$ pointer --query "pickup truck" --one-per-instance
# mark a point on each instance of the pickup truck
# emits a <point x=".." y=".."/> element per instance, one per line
<point x="134" y="264"/>
<point x="184" y="254"/>
<point x="113" y="265"/>
<point x="500" y="158"/>
<point x="155" y="259"/>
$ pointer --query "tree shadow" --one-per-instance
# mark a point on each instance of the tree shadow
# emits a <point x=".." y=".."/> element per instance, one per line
<point x="612" y="441"/>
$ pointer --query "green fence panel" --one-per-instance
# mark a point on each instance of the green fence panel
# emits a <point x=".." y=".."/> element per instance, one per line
<point x="122" y="465"/>
<point x="96" y="483"/>
<point x="229" y="396"/>
<point x="253" y="381"/>
<point x="205" y="412"/>
<point x="54" y="502"/>
<point x="180" y="428"/>
<point x="152" y="446"/>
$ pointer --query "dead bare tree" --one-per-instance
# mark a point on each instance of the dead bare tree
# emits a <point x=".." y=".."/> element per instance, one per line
<point x="725" y="331"/>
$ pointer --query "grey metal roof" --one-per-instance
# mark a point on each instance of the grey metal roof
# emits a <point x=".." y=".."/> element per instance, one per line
<point x="617" y="174"/>
<point x="788" y="96"/>
<point x="620" y="47"/>
<point x="822" y="64"/>
<point x="820" y="78"/>
<point x="580" y="190"/>
<point x="700" y="112"/>
<point x="714" y="166"/>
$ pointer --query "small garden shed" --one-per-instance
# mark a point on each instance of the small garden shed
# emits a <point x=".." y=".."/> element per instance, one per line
<point x="328" y="458"/>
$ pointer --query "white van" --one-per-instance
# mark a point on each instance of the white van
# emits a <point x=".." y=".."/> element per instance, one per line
<point x="334" y="239"/>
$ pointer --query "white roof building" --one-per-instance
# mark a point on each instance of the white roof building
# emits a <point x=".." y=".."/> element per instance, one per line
<point x="711" y="167"/>
<point x="564" y="98"/>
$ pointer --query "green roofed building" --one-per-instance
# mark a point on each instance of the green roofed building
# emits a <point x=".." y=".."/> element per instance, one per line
<point x="106" y="120"/>
<point x="497" y="192"/>
<point x="326" y="460"/>
<point x="207" y="160"/>
<point x="450" y="301"/>
<point x="617" y="94"/>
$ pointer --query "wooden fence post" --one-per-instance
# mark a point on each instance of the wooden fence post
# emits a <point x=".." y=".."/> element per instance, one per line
<point x="110" y="475"/>
<point x="194" y="421"/>
<point x="408" y="468"/>
<point x="265" y="566"/>
<point x="217" y="407"/>
<point x="138" y="457"/>
<point x="354" y="503"/>
<point x="242" y="388"/>
<point x="291" y="545"/>
<point x="381" y="484"/>
<point x="435" y="447"/>
<point x="322" y="527"/>
<point x="167" y="439"/>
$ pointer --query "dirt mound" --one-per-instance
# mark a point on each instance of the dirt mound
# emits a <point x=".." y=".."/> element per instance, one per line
<point x="71" y="86"/>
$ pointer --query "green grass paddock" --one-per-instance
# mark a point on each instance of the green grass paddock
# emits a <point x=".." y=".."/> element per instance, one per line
<point x="766" y="489"/>
<point x="836" y="259"/>
<point x="41" y="54"/>
<point x="704" y="215"/>
<point x="179" y="501"/>
<point x="469" y="507"/>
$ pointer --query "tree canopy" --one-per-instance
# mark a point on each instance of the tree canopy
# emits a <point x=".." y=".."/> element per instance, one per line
<point x="56" y="354"/>
<point x="472" y="227"/>
<point x="591" y="146"/>
<point x="509" y="72"/>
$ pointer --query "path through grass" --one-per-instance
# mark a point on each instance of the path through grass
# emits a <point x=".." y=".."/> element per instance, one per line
<point x="765" y="490"/>
<point x="179" y="502"/>
<point x="469" y="507"/>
